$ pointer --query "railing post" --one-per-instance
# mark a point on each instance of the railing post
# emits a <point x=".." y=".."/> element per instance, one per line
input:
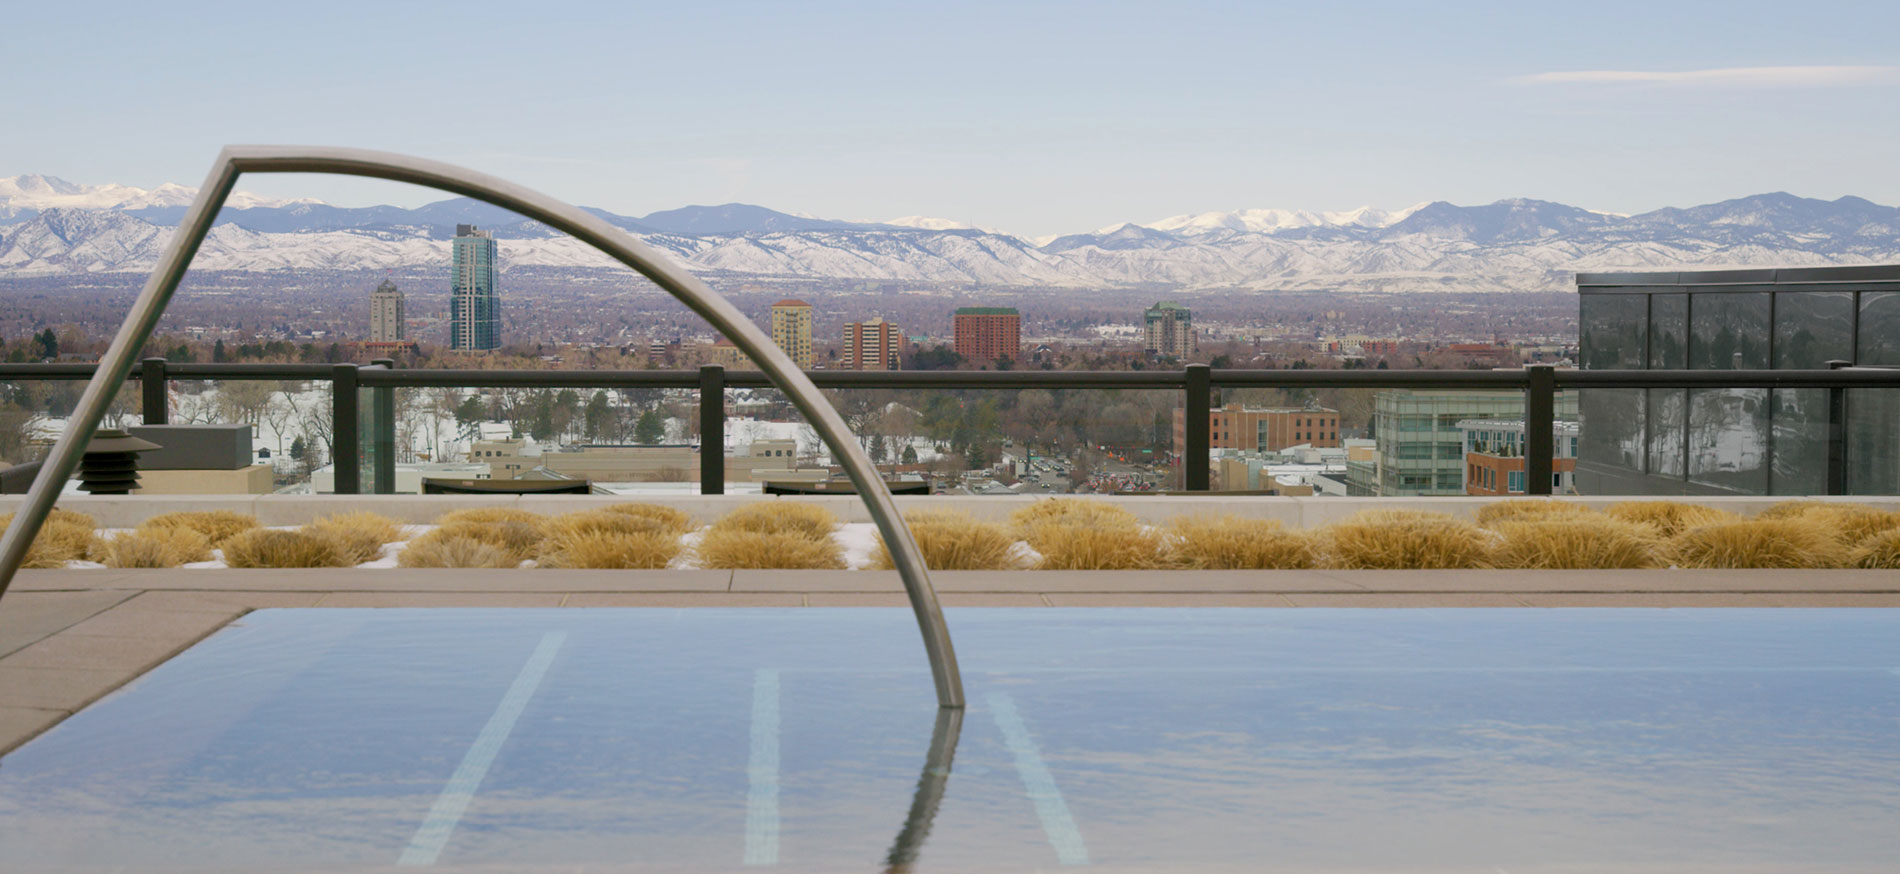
<point x="1540" y="423"/>
<point x="152" y="394"/>
<point x="346" y="459"/>
<point x="1837" y="435"/>
<point x="712" y="429"/>
<point x="1200" y="396"/>
<point x="384" y="423"/>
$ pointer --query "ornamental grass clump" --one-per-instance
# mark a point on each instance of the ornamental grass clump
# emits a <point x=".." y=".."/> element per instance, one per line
<point x="64" y="536"/>
<point x="160" y="547"/>
<point x="1053" y="514"/>
<point x="1849" y="523"/>
<point x="664" y="518"/>
<point x="1529" y="508"/>
<point x="1407" y="539"/>
<point x="1879" y="551"/>
<point x="1237" y="543"/>
<point x="1759" y="543"/>
<point x="602" y="522"/>
<point x="955" y="541"/>
<point x="486" y="515"/>
<point x="217" y="526"/>
<point x="273" y="548"/>
<point x="809" y="521"/>
<point x="454" y="550"/>
<point x="359" y="535"/>
<point x="1072" y="547"/>
<point x="1571" y="542"/>
<point x="752" y="550"/>
<point x="615" y="550"/>
<point x="1669" y="518"/>
<point x="517" y="540"/>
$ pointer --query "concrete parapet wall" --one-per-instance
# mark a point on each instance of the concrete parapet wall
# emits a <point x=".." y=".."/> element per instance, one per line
<point x="126" y="511"/>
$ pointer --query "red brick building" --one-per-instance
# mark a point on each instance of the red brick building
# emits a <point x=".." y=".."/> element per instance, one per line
<point x="1494" y="457"/>
<point x="1237" y="427"/>
<point x="872" y="345"/>
<point x="985" y="334"/>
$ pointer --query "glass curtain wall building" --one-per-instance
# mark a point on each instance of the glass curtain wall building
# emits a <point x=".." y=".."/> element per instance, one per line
<point x="474" y="310"/>
<point x="1750" y="441"/>
<point x="1421" y="450"/>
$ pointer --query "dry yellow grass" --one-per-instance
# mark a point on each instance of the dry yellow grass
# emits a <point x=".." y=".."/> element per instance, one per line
<point x="484" y="515"/>
<point x="1236" y="543"/>
<point x="64" y="536"/>
<point x="602" y="522"/>
<point x="1402" y="539"/>
<point x="955" y="541"/>
<point x="1127" y="546"/>
<point x="458" y="551"/>
<point x="1527" y="509"/>
<point x="1669" y="518"/>
<point x="217" y="526"/>
<point x="1878" y="551"/>
<point x="749" y="550"/>
<point x="809" y="521"/>
<point x="516" y="539"/>
<point x="267" y="548"/>
<point x="1067" y="511"/>
<point x="1759" y="543"/>
<point x="161" y="547"/>
<point x="1575" y="541"/>
<point x="609" y="550"/>
<point x="1849" y="523"/>
<point x="664" y="518"/>
<point x="360" y="535"/>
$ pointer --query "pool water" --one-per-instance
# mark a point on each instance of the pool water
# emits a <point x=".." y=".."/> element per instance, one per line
<point x="1125" y="740"/>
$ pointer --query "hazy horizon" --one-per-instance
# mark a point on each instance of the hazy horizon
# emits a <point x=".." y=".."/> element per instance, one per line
<point x="1037" y="119"/>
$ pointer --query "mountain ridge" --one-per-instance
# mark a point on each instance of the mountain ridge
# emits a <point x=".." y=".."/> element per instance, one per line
<point x="1513" y="244"/>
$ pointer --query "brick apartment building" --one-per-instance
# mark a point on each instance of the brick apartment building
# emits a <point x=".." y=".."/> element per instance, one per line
<point x="1238" y="427"/>
<point x="872" y="345"/>
<point x="985" y="334"/>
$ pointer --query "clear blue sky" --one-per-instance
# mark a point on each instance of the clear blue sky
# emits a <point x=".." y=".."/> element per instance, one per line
<point x="1033" y="117"/>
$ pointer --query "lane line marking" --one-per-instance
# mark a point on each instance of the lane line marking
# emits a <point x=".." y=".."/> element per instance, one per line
<point x="433" y="835"/>
<point x="761" y="800"/>
<point x="1040" y="785"/>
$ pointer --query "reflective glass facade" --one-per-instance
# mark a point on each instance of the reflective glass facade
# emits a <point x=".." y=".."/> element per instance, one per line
<point x="1737" y="440"/>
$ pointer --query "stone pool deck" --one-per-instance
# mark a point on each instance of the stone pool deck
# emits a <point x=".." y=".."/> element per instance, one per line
<point x="68" y="637"/>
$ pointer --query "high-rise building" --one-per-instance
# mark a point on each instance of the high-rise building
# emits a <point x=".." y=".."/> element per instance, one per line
<point x="386" y="314"/>
<point x="986" y="334"/>
<point x="474" y="310"/>
<point x="872" y="345"/>
<point x="1168" y="330"/>
<point x="791" y="330"/>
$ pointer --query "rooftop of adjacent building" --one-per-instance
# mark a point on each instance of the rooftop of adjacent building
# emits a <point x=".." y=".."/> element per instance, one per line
<point x="789" y="303"/>
<point x="473" y="231"/>
<point x="986" y="311"/>
<point x="1561" y="426"/>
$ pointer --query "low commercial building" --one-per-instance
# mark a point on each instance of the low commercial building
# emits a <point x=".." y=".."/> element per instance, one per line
<point x="1270" y="430"/>
<point x="1494" y="457"/>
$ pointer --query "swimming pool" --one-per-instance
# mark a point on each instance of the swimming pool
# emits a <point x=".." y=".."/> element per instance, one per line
<point x="1127" y="740"/>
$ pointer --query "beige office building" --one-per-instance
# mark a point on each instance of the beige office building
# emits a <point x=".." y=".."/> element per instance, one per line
<point x="386" y="314"/>
<point x="791" y="330"/>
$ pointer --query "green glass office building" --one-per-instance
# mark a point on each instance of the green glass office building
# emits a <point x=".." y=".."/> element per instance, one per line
<point x="474" y="310"/>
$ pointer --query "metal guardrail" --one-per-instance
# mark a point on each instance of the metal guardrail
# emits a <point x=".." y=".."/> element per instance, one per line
<point x="1539" y="383"/>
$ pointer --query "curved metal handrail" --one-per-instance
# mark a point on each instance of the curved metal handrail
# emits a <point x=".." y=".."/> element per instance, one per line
<point x="234" y="161"/>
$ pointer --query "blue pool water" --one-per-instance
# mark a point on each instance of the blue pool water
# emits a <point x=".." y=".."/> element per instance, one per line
<point x="1122" y="740"/>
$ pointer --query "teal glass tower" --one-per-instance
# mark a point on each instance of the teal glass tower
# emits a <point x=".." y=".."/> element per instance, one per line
<point x="474" y="310"/>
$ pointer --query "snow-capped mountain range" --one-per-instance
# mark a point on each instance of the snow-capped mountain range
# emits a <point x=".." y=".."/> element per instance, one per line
<point x="52" y="227"/>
